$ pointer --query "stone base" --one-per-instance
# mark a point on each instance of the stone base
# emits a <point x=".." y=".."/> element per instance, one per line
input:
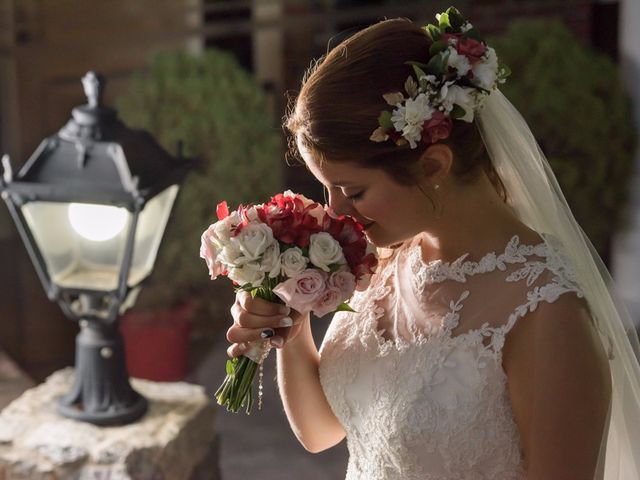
<point x="175" y="440"/>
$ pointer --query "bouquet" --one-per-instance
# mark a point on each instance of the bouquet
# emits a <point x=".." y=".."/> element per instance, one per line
<point x="289" y="250"/>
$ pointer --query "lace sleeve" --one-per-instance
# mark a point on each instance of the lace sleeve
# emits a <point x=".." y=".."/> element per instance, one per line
<point x="550" y="279"/>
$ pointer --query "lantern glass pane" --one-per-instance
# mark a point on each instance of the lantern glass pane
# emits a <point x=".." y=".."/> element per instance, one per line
<point x="82" y="245"/>
<point x="151" y="224"/>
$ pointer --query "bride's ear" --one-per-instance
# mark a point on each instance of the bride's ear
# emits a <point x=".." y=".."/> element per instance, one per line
<point x="436" y="163"/>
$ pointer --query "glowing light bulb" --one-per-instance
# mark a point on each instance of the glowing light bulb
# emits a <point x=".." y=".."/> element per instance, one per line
<point x="97" y="222"/>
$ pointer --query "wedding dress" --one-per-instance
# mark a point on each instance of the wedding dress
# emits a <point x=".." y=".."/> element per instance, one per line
<point x="416" y="376"/>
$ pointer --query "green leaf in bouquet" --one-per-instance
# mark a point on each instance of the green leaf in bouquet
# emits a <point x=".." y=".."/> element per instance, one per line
<point x="344" y="307"/>
<point x="231" y="366"/>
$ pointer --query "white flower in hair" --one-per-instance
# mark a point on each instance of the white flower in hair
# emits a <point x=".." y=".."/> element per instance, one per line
<point x="466" y="27"/>
<point x="410" y="117"/>
<point x="451" y="95"/>
<point x="485" y="73"/>
<point x="461" y="72"/>
<point x="459" y="62"/>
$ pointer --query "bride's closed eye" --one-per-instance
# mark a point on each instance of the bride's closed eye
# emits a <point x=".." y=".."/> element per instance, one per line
<point x="355" y="197"/>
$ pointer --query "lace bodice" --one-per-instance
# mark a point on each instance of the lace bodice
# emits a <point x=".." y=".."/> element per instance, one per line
<point x="416" y="377"/>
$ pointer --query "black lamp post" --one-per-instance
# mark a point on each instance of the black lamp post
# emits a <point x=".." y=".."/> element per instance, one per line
<point x="91" y="206"/>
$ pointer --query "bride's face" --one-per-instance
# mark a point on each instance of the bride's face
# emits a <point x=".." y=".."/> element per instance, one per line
<point x="390" y="212"/>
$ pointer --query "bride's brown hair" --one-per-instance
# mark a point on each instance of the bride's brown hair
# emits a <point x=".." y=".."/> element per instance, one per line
<point x="337" y="108"/>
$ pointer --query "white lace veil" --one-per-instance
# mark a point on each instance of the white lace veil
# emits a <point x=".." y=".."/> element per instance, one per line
<point x="536" y="197"/>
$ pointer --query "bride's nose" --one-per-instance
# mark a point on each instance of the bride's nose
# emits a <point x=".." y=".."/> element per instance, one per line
<point x="338" y="203"/>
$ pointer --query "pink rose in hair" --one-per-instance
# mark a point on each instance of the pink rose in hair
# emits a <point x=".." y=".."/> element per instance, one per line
<point x="301" y="291"/>
<point x="438" y="127"/>
<point x="472" y="49"/>
<point x="327" y="302"/>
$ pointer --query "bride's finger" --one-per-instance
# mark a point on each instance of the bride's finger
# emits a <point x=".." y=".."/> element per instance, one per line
<point x="245" y="319"/>
<point x="237" y="349"/>
<point x="237" y="334"/>
<point x="259" y="306"/>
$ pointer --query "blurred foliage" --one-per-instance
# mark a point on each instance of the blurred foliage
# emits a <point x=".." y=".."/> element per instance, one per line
<point x="574" y="101"/>
<point x="221" y="114"/>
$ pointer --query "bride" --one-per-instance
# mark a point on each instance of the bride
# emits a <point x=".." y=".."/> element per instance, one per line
<point x="487" y="345"/>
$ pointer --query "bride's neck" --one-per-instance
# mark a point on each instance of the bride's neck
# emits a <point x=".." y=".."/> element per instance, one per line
<point x="474" y="220"/>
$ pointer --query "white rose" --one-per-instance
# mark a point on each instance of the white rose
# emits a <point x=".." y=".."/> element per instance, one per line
<point x="485" y="72"/>
<point x="222" y="229"/>
<point x="324" y="250"/>
<point x="230" y="255"/>
<point x="253" y="240"/>
<point x="451" y="95"/>
<point x="247" y="273"/>
<point x="252" y="214"/>
<point x="459" y="62"/>
<point x="270" y="263"/>
<point x="293" y="262"/>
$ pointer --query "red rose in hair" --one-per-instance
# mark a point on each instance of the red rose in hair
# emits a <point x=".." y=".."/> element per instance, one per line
<point x="438" y="127"/>
<point x="472" y="49"/>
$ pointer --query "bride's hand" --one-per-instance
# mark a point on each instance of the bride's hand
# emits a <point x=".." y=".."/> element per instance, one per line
<point x="257" y="319"/>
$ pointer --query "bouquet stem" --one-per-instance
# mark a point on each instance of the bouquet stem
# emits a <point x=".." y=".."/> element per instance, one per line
<point x="236" y="390"/>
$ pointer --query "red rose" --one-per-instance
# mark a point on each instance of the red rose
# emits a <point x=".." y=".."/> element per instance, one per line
<point x="472" y="49"/>
<point x="438" y="127"/>
<point x="290" y="220"/>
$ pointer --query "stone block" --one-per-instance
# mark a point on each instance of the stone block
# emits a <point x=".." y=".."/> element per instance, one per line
<point x="173" y="441"/>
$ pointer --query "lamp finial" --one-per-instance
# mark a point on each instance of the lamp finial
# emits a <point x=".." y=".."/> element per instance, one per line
<point x="93" y="84"/>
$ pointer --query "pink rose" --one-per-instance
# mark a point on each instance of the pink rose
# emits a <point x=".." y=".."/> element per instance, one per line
<point x="472" y="49"/>
<point x="343" y="281"/>
<point x="209" y="252"/>
<point x="438" y="127"/>
<point x="327" y="302"/>
<point x="301" y="291"/>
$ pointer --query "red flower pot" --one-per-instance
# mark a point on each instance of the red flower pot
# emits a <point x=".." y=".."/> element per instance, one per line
<point x="157" y="343"/>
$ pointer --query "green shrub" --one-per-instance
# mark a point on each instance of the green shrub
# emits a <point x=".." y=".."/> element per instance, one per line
<point x="220" y="113"/>
<point x="574" y="102"/>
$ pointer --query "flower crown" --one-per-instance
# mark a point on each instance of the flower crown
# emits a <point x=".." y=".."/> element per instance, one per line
<point x="461" y="73"/>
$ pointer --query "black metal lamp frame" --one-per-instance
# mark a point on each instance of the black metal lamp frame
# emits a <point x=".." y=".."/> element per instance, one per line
<point x="94" y="158"/>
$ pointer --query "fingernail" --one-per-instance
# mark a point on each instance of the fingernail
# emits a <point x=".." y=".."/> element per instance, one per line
<point x="277" y="342"/>
<point x="286" y="322"/>
<point x="284" y="310"/>
<point x="267" y="333"/>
